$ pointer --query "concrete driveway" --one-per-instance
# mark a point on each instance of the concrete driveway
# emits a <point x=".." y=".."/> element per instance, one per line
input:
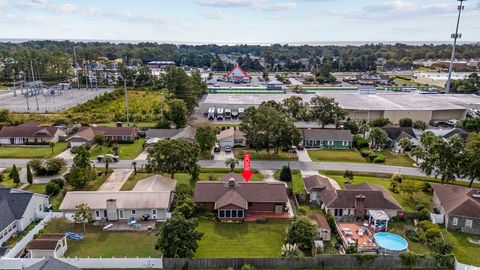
<point x="222" y="155"/>
<point x="303" y="155"/>
<point x="116" y="180"/>
<point x="268" y="175"/>
<point x="143" y="156"/>
<point x="67" y="154"/>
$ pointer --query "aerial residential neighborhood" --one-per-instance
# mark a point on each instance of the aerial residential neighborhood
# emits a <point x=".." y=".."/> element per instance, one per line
<point x="239" y="135"/>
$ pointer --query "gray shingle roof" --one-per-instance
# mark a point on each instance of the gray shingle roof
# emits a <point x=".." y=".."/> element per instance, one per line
<point x="51" y="264"/>
<point x="326" y="134"/>
<point x="12" y="205"/>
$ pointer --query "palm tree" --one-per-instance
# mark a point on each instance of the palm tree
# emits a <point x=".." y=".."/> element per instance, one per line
<point x="405" y="144"/>
<point x="232" y="163"/>
<point x="115" y="148"/>
<point x="107" y="159"/>
<point x="378" y="137"/>
<point x="83" y="215"/>
<point x="363" y="129"/>
<point x="417" y="152"/>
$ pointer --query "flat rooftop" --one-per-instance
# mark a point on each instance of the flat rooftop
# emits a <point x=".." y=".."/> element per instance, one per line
<point x="356" y="101"/>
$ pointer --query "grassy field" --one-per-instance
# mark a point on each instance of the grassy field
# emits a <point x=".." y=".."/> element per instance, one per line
<point x="297" y="181"/>
<point x="98" y="243"/>
<point x="32" y="152"/>
<point x="133" y="180"/>
<point x="354" y="156"/>
<point x="241" y="240"/>
<point x="407" y="203"/>
<point x="125" y="151"/>
<point x="464" y="251"/>
<point x="132" y="124"/>
<point x="262" y="154"/>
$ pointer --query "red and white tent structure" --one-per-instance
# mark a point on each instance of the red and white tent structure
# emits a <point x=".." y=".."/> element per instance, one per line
<point x="237" y="74"/>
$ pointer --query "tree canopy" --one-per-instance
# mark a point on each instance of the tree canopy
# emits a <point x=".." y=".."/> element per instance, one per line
<point x="172" y="156"/>
<point x="178" y="237"/>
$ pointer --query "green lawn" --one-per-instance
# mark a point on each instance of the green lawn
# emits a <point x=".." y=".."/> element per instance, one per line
<point x="416" y="247"/>
<point x="464" y="251"/>
<point x="125" y="151"/>
<point x="132" y="124"/>
<point x="214" y="173"/>
<point x="262" y="154"/>
<point x="7" y="181"/>
<point x="36" y="188"/>
<point x="407" y="203"/>
<point x="250" y="239"/>
<point x="354" y="156"/>
<point x="133" y="180"/>
<point x="32" y="152"/>
<point x="98" y="243"/>
<point x="99" y="180"/>
<point x="297" y="181"/>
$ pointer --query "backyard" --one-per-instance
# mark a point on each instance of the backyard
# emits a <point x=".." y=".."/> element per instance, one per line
<point x="297" y="181"/>
<point x="239" y="240"/>
<point x="354" y="156"/>
<point x="32" y="151"/>
<point x="464" y="251"/>
<point x="214" y="173"/>
<point x="125" y="150"/>
<point x="407" y="203"/>
<point x="98" y="243"/>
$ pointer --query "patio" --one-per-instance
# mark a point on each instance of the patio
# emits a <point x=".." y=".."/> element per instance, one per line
<point x="357" y="232"/>
<point x="124" y="225"/>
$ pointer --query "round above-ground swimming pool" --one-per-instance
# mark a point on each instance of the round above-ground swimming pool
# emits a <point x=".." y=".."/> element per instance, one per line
<point x="390" y="243"/>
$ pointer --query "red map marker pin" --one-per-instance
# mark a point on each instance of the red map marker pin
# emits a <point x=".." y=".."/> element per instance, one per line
<point x="246" y="167"/>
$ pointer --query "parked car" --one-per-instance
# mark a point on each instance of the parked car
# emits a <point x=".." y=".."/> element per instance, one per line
<point x="227" y="149"/>
<point x="102" y="157"/>
<point x="300" y="146"/>
<point x="217" y="149"/>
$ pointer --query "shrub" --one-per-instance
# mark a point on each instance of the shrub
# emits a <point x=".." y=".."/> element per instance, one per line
<point x="432" y="234"/>
<point x="412" y="234"/>
<point x="397" y="177"/>
<point x="366" y="152"/>
<point x="408" y="258"/>
<point x="380" y="122"/>
<point x="427" y="224"/>
<point x="405" y="122"/>
<point x="302" y="210"/>
<point x="441" y="246"/>
<point x="286" y="174"/>
<point x="52" y="189"/>
<point x="419" y="124"/>
<point x="302" y="231"/>
<point x="424" y="214"/>
<point x="247" y="267"/>
<point x="359" y="142"/>
<point x="379" y="159"/>
<point x="427" y="187"/>
<point x="420" y="207"/>
<point x="59" y="182"/>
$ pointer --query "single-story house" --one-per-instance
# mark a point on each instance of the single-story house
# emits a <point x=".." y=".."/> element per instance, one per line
<point x="50" y="263"/>
<point x="18" y="209"/>
<point x="123" y="205"/>
<point x="459" y="205"/>
<point x="86" y="135"/>
<point x="447" y="133"/>
<point x="327" y="138"/>
<point x="30" y="133"/>
<point x="48" y="245"/>
<point x="154" y="135"/>
<point x="231" y="137"/>
<point x="324" y="231"/>
<point x="353" y="202"/>
<point x="235" y="200"/>
<point x="395" y="134"/>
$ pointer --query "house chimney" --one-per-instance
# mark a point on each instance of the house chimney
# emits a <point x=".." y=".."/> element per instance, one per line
<point x="112" y="209"/>
<point x="231" y="183"/>
<point x="119" y="124"/>
<point x="360" y="206"/>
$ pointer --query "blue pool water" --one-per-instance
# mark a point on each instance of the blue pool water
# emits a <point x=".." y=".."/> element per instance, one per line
<point x="390" y="241"/>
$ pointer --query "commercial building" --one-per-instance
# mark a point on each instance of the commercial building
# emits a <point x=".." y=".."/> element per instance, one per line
<point x="366" y="107"/>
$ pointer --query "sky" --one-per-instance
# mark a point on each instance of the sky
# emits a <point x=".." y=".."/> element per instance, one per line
<point x="238" y="21"/>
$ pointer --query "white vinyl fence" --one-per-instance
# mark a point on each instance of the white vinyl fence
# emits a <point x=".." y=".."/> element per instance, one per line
<point x="89" y="263"/>
<point x="437" y="218"/>
<point x="461" y="266"/>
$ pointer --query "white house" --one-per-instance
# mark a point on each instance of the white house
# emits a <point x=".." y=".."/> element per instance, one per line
<point x="18" y="209"/>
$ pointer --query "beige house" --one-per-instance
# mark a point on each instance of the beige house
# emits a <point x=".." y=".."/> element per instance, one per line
<point x="231" y="137"/>
<point x="30" y="133"/>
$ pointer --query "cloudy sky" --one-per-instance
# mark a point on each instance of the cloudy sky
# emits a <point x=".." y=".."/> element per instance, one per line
<point x="235" y="21"/>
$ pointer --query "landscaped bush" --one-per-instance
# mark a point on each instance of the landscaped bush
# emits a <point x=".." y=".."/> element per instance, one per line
<point x="397" y="177"/>
<point x="365" y="152"/>
<point x="286" y="174"/>
<point x="50" y="166"/>
<point x="59" y="182"/>
<point x="408" y="258"/>
<point x="52" y="189"/>
<point x="379" y="159"/>
<point x="420" y="207"/>
<point x="427" y="187"/>
<point x="412" y="234"/>
<point x="302" y="210"/>
<point x="371" y="157"/>
<point x="424" y="214"/>
<point x="441" y="246"/>
<point x="359" y="142"/>
<point x="427" y="224"/>
<point x="432" y="234"/>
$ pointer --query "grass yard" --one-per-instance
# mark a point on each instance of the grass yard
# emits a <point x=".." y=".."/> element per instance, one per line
<point x="8" y="182"/>
<point x="297" y="181"/>
<point x="416" y="247"/>
<point x="133" y="180"/>
<point x="125" y="151"/>
<point x="464" y="251"/>
<point x="98" y="243"/>
<point x="36" y="188"/>
<point x="32" y="152"/>
<point x="407" y="203"/>
<point x="132" y="124"/>
<point x="223" y="240"/>
<point x="348" y="155"/>
<point x="262" y="154"/>
<point x="214" y="173"/>
<point x="354" y="156"/>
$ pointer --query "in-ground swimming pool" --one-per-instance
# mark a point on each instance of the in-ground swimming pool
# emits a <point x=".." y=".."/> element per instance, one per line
<point x="390" y="243"/>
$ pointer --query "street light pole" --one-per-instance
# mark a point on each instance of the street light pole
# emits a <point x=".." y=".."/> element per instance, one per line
<point x="126" y="99"/>
<point x="455" y="37"/>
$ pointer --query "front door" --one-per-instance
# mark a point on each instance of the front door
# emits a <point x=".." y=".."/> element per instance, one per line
<point x="97" y="214"/>
<point x="154" y="213"/>
<point x="313" y="196"/>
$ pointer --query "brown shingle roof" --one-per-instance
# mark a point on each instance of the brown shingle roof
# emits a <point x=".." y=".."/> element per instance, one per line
<point x="237" y="177"/>
<point x="317" y="182"/>
<point x="212" y="191"/>
<point x="458" y="200"/>
<point x="231" y="197"/>
<point x="28" y="132"/>
<point x="89" y="133"/>
<point x="46" y="242"/>
<point x="326" y="134"/>
<point x="321" y="221"/>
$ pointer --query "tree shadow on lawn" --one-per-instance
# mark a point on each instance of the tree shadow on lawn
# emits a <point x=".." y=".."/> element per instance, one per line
<point x="230" y="230"/>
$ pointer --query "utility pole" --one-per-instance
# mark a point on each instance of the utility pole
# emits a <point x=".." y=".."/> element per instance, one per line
<point x="126" y="98"/>
<point x="34" y="85"/>
<point x="76" y="67"/>
<point x="26" y="91"/>
<point x="455" y="37"/>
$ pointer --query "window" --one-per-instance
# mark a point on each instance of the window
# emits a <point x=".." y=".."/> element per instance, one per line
<point x="120" y="213"/>
<point x="250" y="204"/>
<point x="240" y="213"/>
<point x="154" y="211"/>
<point x="227" y="213"/>
<point x="221" y="213"/>
<point x="468" y="223"/>
<point x="97" y="213"/>
<point x="234" y="213"/>
<point x="455" y="221"/>
<point x="134" y="211"/>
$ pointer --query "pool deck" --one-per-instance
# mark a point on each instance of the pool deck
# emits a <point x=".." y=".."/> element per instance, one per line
<point x="350" y="234"/>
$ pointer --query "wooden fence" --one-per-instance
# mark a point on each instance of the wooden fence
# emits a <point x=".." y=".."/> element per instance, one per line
<point x="319" y="262"/>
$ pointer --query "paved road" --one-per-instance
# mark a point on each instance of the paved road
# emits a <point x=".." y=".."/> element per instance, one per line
<point x="258" y="164"/>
